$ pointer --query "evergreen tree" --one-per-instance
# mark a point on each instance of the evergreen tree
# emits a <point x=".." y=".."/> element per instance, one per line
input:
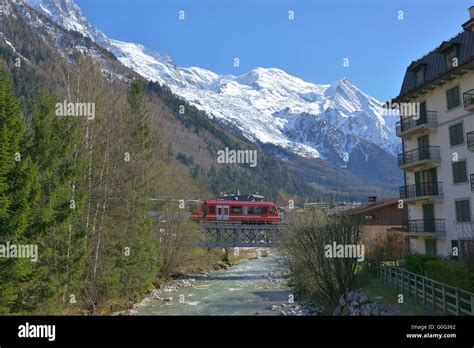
<point x="18" y="194"/>
<point x="54" y="149"/>
<point x="140" y="267"/>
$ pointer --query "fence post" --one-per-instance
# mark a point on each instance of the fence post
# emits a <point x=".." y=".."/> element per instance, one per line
<point x="409" y="284"/>
<point x="416" y="287"/>
<point x="402" y="271"/>
<point x="396" y="277"/>
<point x="424" y="291"/>
<point x="444" y="300"/>
<point x="457" y="301"/>
<point x="472" y="304"/>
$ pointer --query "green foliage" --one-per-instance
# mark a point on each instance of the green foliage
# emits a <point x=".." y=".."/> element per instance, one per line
<point x="18" y="195"/>
<point x="452" y="273"/>
<point x="54" y="149"/>
<point x="416" y="263"/>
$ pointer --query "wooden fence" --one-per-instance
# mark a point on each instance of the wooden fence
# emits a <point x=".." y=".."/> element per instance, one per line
<point x="441" y="297"/>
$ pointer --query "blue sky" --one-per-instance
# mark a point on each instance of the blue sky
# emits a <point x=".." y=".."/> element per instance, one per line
<point x="312" y="46"/>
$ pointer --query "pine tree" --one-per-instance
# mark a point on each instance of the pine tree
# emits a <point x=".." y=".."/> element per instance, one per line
<point x="18" y="194"/>
<point x="140" y="267"/>
<point x="54" y="150"/>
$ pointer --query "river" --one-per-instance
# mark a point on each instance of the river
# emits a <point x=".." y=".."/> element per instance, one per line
<point x="249" y="288"/>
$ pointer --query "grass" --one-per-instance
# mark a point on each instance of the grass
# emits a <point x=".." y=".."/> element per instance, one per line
<point x="373" y="287"/>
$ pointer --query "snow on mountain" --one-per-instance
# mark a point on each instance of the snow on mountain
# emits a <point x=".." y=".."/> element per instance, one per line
<point x="69" y="16"/>
<point x="266" y="104"/>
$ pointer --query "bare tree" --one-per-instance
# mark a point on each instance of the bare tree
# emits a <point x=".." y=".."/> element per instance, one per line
<point x="322" y="277"/>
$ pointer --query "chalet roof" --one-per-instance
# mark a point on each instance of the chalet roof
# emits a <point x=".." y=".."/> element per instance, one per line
<point x="384" y="203"/>
<point x="435" y="63"/>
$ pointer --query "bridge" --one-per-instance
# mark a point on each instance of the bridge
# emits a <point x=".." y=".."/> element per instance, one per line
<point x="228" y="235"/>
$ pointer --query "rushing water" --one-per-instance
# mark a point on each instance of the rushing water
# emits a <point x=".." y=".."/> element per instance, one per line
<point x="246" y="289"/>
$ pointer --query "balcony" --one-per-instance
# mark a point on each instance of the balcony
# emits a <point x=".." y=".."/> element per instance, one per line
<point x="410" y="125"/>
<point x="422" y="191"/>
<point x="468" y="100"/>
<point x="425" y="227"/>
<point x="470" y="141"/>
<point x="423" y="156"/>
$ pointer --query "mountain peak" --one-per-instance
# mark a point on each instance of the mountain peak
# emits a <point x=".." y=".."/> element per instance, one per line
<point x="266" y="104"/>
<point x="68" y="15"/>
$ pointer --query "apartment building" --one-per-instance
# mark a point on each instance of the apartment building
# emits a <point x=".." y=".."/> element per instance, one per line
<point x="438" y="147"/>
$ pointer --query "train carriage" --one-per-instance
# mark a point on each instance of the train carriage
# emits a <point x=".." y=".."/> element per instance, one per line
<point x="245" y="212"/>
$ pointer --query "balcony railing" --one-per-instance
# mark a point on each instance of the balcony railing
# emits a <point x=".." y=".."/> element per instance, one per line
<point x="428" y="118"/>
<point x="428" y="226"/>
<point x="421" y="190"/>
<point x="470" y="140"/>
<point x="426" y="153"/>
<point x="468" y="100"/>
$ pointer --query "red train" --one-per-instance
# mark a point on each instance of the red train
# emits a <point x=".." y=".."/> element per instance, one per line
<point x="229" y="209"/>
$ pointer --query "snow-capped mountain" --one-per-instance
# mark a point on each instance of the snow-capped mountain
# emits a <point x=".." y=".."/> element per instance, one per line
<point x="267" y="105"/>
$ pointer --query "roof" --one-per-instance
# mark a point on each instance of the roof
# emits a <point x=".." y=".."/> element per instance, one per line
<point x="239" y="197"/>
<point x="365" y="208"/>
<point x="435" y="64"/>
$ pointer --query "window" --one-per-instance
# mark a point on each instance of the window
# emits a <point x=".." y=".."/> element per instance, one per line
<point x="261" y="210"/>
<point x="419" y="76"/>
<point x="212" y="209"/>
<point x="430" y="246"/>
<point x="459" y="172"/>
<point x="273" y="211"/>
<point x="251" y="210"/>
<point x="236" y="210"/>
<point x="456" y="134"/>
<point x="463" y="211"/>
<point x="453" y="97"/>
<point x="451" y="58"/>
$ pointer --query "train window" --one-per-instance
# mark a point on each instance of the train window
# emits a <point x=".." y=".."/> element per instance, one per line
<point x="219" y="211"/>
<point x="273" y="210"/>
<point x="261" y="210"/>
<point x="251" y="210"/>
<point x="236" y="210"/>
<point x="226" y="211"/>
<point x="212" y="209"/>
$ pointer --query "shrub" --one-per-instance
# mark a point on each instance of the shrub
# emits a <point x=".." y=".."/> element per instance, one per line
<point x="416" y="262"/>
<point x="452" y="273"/>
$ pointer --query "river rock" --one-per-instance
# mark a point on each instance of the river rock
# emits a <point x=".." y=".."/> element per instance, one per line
<point x="356" y="303"/>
